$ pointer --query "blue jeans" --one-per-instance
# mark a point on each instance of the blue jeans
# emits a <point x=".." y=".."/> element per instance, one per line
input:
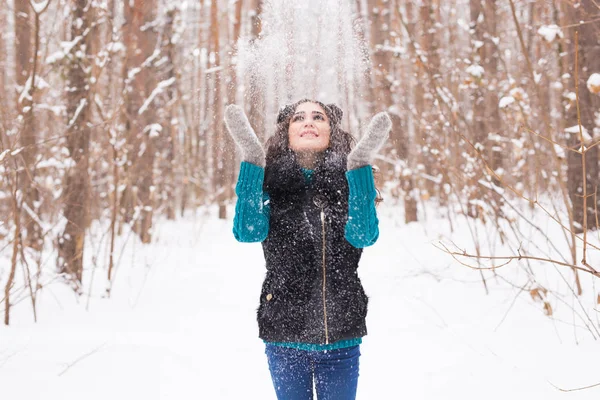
<point x="335" y="373"/>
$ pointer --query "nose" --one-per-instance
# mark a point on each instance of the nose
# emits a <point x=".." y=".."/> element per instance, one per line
<point x="309" y="122"/>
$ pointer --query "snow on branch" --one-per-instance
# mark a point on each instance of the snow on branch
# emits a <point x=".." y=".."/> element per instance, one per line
<point x="153" y="130"/>
<point x="506" y="101"/>
<point x="476" y="71"/>
<point x="4" y="154"/>
<point x="158" y="90"/>
<point x="35" y="217"/>
<point x="550" y="32"/>
<point x="67" y="47"/>
<point x="214" y="69"/>
<point x="147" y="62"/>
<point x="40" y="7"/>
<point x="593" y="83"/>
<point x="40" y="83"/>
<point x="82" y="103"/>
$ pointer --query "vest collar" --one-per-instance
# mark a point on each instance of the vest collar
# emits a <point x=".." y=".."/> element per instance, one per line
<point x="284" y="176"/>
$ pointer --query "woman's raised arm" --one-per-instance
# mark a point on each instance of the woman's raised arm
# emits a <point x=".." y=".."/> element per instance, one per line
<point x="362" y="228"/>
<point x="251" y="220"/>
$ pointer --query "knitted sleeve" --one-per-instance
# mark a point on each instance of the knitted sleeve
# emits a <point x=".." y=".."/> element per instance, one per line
<point x="362" y="228"/>
<point x="251" y="220"/>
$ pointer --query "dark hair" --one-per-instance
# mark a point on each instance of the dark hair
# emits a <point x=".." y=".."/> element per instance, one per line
<point x="340" y="141"/>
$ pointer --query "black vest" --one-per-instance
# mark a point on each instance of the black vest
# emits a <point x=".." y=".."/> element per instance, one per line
<point x="311" y="292"/>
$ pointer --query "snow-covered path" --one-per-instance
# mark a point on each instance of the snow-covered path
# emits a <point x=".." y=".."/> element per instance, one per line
<point x="181" y="325"/>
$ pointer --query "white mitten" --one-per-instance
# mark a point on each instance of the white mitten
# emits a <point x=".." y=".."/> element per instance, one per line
<point x="243" y="135"/>
<point x="376" y="135"/>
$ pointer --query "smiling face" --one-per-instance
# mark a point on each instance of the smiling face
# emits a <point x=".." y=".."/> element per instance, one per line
<point x="309" y="129"/>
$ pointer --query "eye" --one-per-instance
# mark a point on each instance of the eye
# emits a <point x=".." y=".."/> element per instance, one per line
<point x="319" y="117"/>
<point x="298" y="117"/>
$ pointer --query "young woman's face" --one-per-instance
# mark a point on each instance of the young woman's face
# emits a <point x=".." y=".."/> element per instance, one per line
<point x="309" y="128"/>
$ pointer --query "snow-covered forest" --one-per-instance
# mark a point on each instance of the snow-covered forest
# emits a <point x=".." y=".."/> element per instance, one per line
<point x="117" y="195"/>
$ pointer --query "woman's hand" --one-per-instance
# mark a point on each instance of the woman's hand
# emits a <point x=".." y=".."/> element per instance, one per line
<point x="243" y="135"/>
<point x="373" y="139"/>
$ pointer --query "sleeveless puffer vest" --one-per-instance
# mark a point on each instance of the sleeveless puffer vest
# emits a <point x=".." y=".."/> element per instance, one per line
<point x="311" y="292"/>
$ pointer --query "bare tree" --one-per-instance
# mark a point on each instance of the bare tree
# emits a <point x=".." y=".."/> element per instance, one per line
<point x="232" y="89"/>
<point x="168" y="116"/>
<point x="484" y="100"/>
<point x="4" y="84"/>
<point x="25" y="62"/>
<point x="76" y="195"/>
<point x="219" y="147"/>
<point x="141" y="123"/>
<point x="255" y="100"/>
<point x="589" y="59"/>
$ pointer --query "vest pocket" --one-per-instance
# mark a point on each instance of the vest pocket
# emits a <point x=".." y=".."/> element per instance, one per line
<point x="268" y="298"/>
<point x="363" y="303"/>
<point x="282" y="309"/>
<point x="350" y="308"/>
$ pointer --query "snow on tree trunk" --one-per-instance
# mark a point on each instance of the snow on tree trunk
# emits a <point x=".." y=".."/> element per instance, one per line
<point x="24" y="64"/>
<point x="255" y="97"/>
<point x="77" y="188"/>
<point x="220" y="149"/>
<point x="140" y="36"/>
<point x="589" y="60"/>
<point x="4" y="66"/>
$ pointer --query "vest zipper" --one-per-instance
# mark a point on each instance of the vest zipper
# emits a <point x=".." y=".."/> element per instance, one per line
<point x="324" y="276"/>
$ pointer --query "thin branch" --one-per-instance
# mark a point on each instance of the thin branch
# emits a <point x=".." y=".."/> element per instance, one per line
<point x="583" y="150"/>
<point x="550" y="140"/>
<point x="581" y="23"/>
<point x="84" y="356"/>
<point x="508" y="259"/>
<point x="575" y="389"/>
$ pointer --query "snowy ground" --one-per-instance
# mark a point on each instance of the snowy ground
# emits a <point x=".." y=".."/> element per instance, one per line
<point x="181" y="325"/>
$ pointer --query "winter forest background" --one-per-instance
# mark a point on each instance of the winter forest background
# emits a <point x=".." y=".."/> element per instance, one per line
<point x="112" y="135"/>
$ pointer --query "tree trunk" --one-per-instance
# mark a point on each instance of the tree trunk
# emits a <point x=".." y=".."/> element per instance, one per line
<point x="492" y="111"/>
<point x="168" y="194"/>
<point x="478" y="103"/>
<point x="256" y="101"/>
<point x="219" y="143"/>
<point x="140" y="115"/>
<point x="203" y="172"/>
<point x="76" y="193"/>
<point x="363" y="39"/>
<point x="380" y="22"/>
<point x="479" y="56"/>
<point x="409" y="186"/>
<point x="4" y="86"/>
<point x="147" y="119"/>
<point x="232" y="99"/>
<point x="589" y="62"/>
<point x="24" y="65"/>
<point x="430" y="129"/>
<point x="130" y="97"/>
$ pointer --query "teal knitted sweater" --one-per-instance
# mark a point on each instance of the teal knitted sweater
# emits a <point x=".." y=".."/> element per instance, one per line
<point x="252" y="211"/>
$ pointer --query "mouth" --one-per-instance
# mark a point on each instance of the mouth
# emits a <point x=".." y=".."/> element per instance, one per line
<point x="309" y="134"/>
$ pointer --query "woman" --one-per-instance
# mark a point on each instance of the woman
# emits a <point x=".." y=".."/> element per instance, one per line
<point x="311" y="202"/>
